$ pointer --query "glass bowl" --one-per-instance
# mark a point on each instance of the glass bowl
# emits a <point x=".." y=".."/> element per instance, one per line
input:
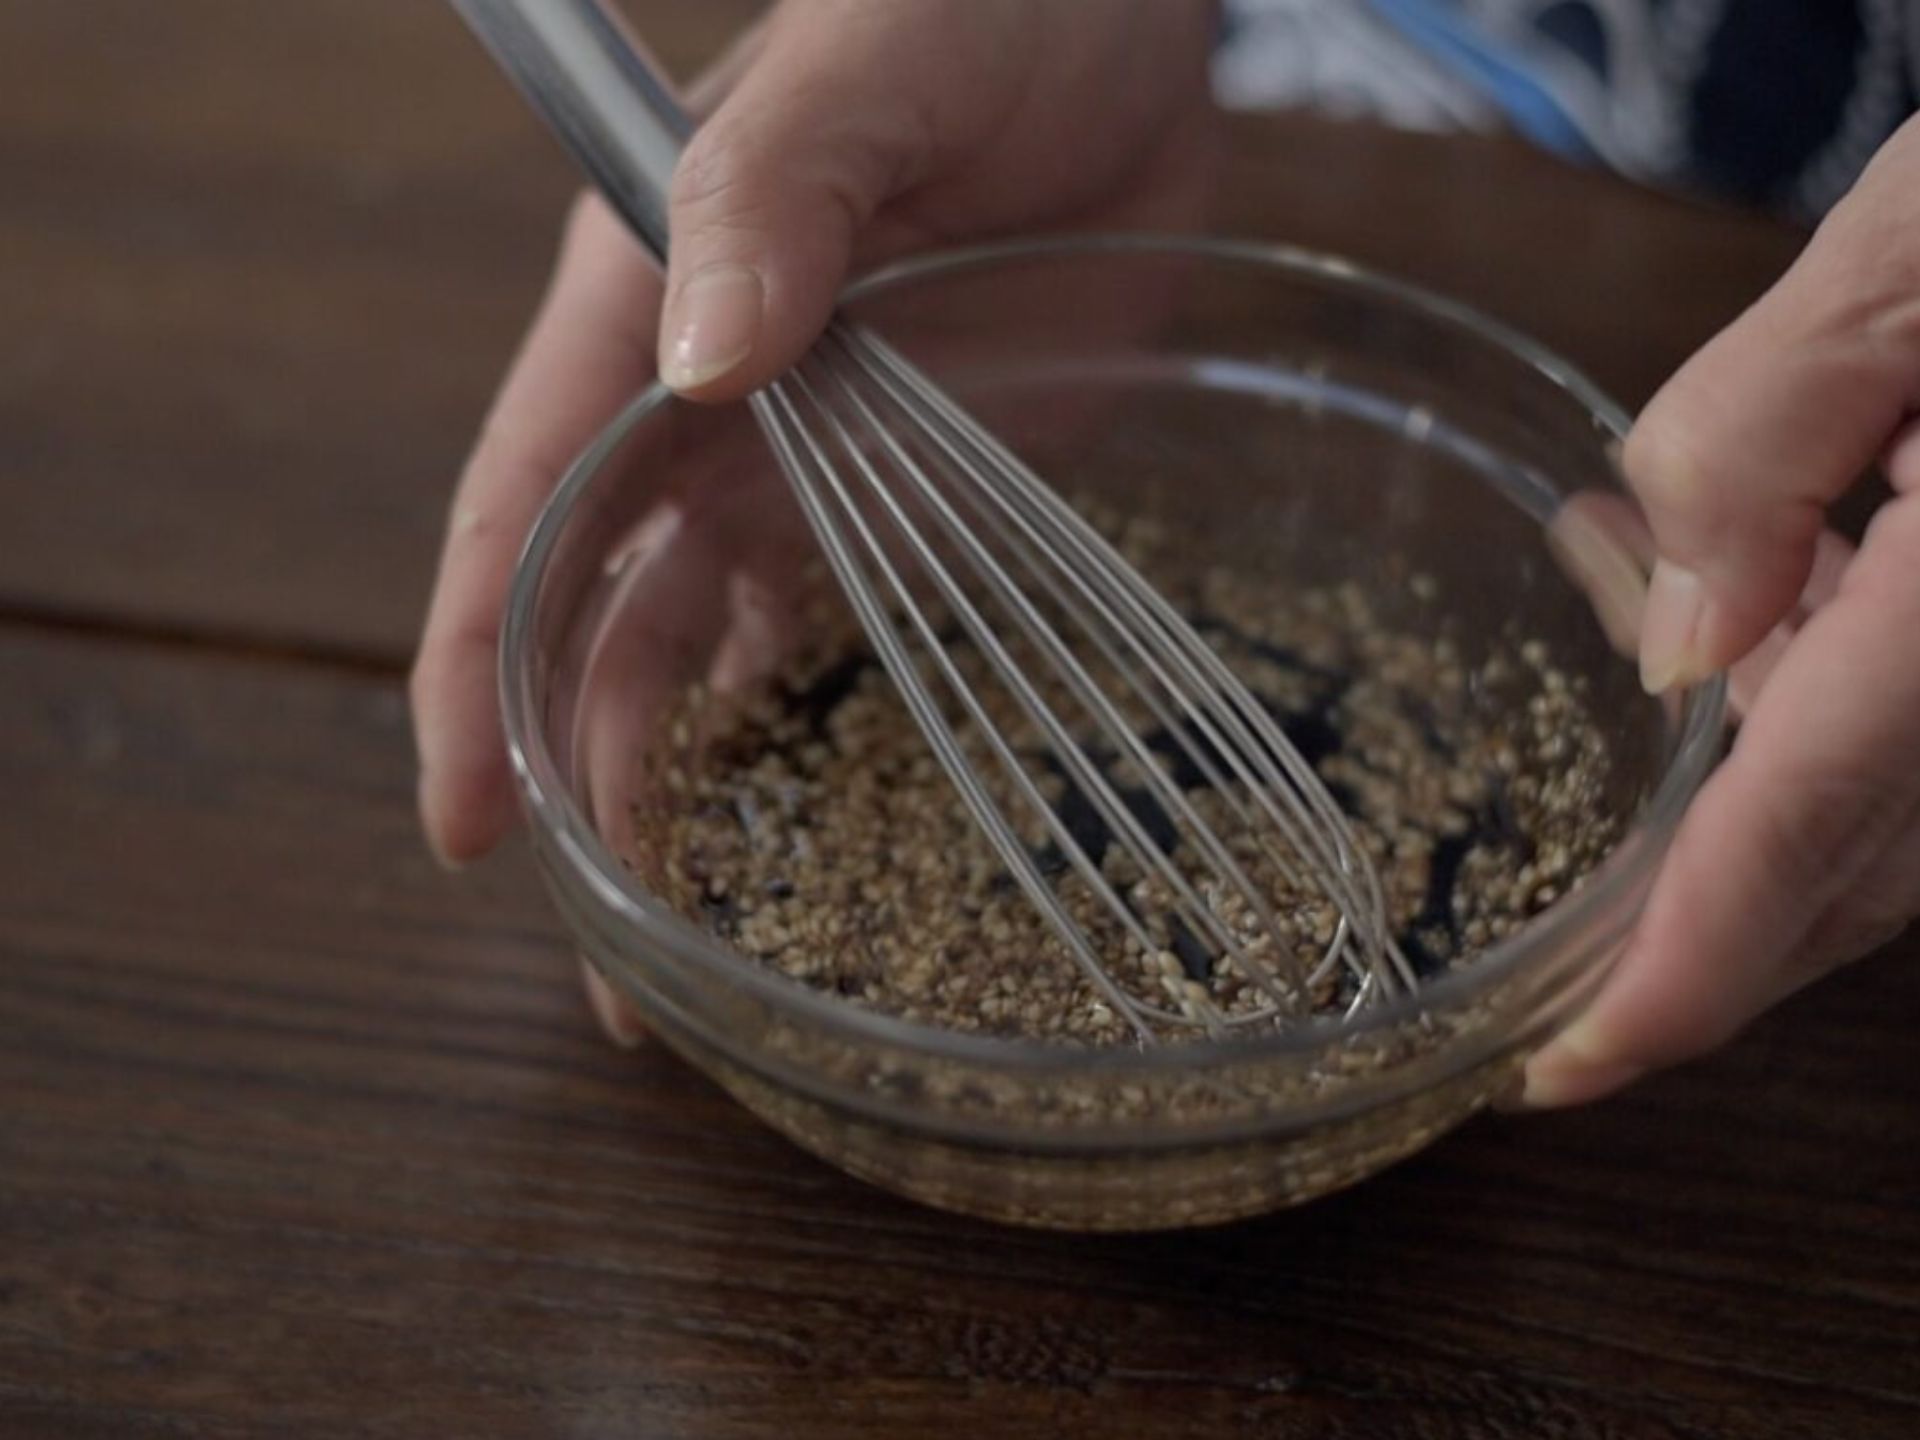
<point x="1286" y="411"/>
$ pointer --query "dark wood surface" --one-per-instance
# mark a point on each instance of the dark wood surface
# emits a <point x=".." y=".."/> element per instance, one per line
<point x="300" y="1137"/>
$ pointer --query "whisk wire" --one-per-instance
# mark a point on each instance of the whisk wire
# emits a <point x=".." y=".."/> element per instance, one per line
<point x="1228" y="718"/>
<point x="1147" y="853"/>
<point x="882" y="464"/>
<point x="1114" y="812"/>
<point x="824" y="421"/>
<point x="1097" y="621"/>
<point x="808" y="470"/>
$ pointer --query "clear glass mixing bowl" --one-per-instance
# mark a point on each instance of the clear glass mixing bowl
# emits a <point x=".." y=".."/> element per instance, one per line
<point x="1282" y="410"/>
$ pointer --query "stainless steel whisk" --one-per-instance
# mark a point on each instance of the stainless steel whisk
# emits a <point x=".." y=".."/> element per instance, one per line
<point x="886" y="467"/>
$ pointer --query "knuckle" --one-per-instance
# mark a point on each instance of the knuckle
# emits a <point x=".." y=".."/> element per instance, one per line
<point x="728" y="189"/>
<point x="797" y="144"/>
<point x="1847" y="934"/>
<point x="715" y="175"/>
<point x="1666" y="470"/>
<point x="1865" y="260"/>
<point x="1827" y="828"/>
<point x="1874" y="221"/>
<point x="1895" y="325"/>
<point x="1701" y="497"/>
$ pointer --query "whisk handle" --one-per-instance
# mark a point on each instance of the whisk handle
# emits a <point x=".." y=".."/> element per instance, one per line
<point x="589" y="78"/>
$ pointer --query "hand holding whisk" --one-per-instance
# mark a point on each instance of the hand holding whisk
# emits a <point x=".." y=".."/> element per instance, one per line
<point x="937" y="532"/>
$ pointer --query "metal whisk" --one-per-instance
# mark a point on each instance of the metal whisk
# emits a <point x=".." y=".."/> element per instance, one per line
<point x="933" y="527"/>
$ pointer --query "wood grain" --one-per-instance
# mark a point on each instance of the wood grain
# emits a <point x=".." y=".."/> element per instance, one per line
<point x="262" y="265"/>
<point x="1623" y="281"/>
<point x="303" y="1137"/>
<point x="299" y="1136"/>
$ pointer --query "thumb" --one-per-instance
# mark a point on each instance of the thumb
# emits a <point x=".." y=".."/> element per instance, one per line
<point x="1738" y="456"/>
<point x="770" y="196"/>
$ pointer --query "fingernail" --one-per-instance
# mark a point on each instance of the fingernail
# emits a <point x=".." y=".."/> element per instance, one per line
<point x="1614" y="583"/>
<point x="1670" y="629"/>
<point x="1573" y="1069"/>
<point x="427" y="828"/>
<point x="612" y="1013"/>
<point x="710" y="325"/>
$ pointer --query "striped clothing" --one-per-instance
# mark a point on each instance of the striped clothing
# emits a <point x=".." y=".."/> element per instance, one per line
<point x="1774" y="102"/>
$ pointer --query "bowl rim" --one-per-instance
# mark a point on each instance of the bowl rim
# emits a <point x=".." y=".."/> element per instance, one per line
<point x="551" y="809"/>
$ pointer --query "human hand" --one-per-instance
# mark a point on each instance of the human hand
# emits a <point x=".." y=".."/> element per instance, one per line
<point x="837" y="135"/>
<point x="1803" y="851"/>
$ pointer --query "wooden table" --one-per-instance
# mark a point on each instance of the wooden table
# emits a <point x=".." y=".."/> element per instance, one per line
<point x="299" y="1136"/>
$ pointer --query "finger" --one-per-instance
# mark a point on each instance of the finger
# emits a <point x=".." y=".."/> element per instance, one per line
<point x="1832" y="554"/>
<point x="1739" y="454"/>
<point x="589" y="349"/>
<point x="1820" y="789"/>
<point x="1881" y="906"/>
<point x="1884" y="902"/>
<point x="1604" y="546"/>
<point x="1903" y="459"/>
<point x="774" y="188"/>
<point x="679" y="614"/>
<point x="665" y="618"/>
<point x="619" y="1021"/>
<point x="628" y="684"/>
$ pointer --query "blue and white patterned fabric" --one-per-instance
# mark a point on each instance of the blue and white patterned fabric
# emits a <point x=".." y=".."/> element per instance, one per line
<point x="1775" y="102"/>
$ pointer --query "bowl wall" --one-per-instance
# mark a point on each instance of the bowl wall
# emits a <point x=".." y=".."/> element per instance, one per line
<point x="1277" y="414"/>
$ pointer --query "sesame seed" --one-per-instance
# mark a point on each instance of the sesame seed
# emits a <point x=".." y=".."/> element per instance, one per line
<point x="815" y="796"/>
